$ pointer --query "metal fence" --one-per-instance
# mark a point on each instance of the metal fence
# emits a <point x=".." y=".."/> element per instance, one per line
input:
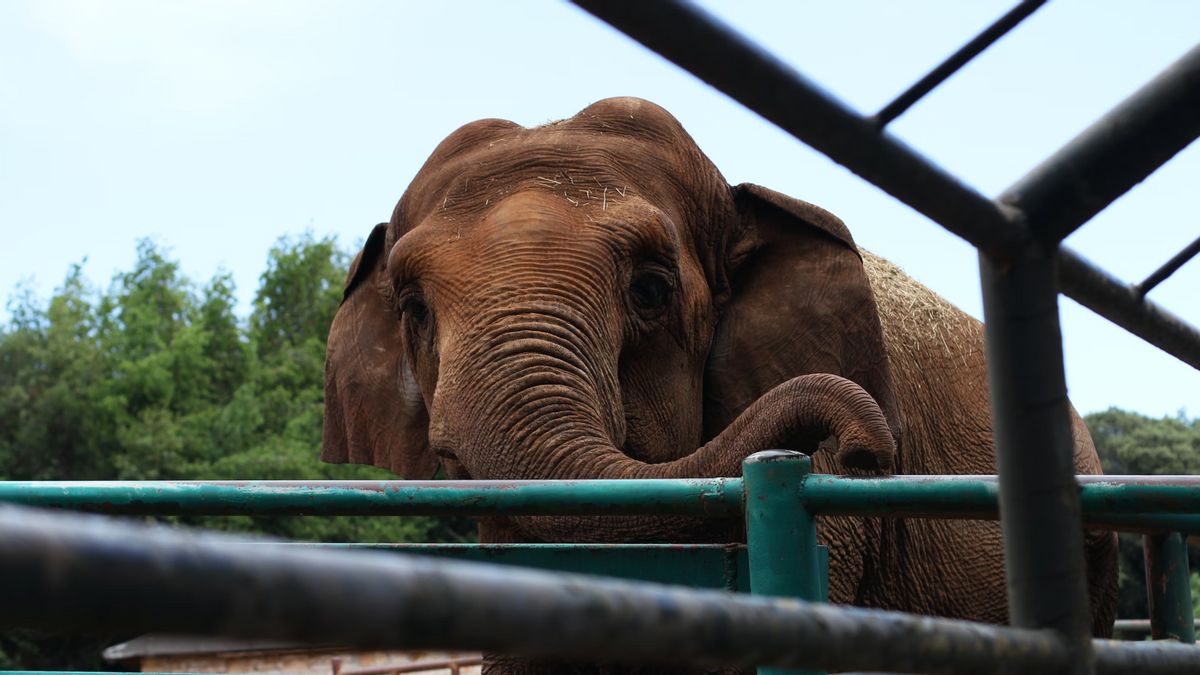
<point x="65" y="571"/>
<point x="72" y="572"/>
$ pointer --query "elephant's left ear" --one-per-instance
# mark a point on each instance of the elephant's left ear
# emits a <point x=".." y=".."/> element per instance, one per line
<point x="799" y="302"/>
<point x="374" y="413"/>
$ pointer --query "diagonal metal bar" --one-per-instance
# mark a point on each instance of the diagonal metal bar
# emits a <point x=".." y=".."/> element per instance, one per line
<point x="956" y="61"/>
<point x="1170" y="267"/>
<point x="1120" y="303"/>
<point x="1113" y="154"/>
<point x="737" y="67"/>
<point x="741" y="69"/>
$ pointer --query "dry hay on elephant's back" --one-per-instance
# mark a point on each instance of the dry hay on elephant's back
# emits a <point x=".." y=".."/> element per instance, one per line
<point x="914" y="317"/>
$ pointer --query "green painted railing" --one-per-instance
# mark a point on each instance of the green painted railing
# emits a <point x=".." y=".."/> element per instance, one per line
<point x="1127" y="503"/>
<point x="778" y="498"/>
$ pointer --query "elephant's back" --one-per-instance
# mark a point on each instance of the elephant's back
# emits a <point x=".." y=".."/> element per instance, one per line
<point x="939" y="372"/>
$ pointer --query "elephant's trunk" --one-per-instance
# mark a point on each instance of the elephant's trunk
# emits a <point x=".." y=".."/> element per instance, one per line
<point x="545" y="419"/>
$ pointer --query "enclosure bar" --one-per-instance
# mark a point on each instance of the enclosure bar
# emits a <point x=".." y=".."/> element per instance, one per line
<point x="781" y="534"/>
<point x="76" y="571"/>
<point x="1041" y="517"/>
<point x="1139" y="627"/>
<point x="1113" y="154"/>
<point x="722" y="566"/>
<point x="736" y="66"/>
<point x="977" y="495"/>
<point x="710" y="497"/>
<point x="1127" y="503"/>
<point x="956" y="61"/>
<point x="733" y="64"/>
<point x="1168" y="587"/>
<point x="1170" y="267"/>
<point x="1121" y="304"/>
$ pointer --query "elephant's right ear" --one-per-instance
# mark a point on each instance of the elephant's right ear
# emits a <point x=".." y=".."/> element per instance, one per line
<point x="799" y="302"/>
<point x="374" y="413"/>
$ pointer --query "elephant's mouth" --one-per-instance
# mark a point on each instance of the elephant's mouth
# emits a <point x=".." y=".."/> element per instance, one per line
<point x="453" y="468"/>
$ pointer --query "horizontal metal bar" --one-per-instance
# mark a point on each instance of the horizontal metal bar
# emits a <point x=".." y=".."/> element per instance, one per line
<point x="1139" y="627"/>
<point x="1168" y="268"/>
<point x="976" y="494"/>
<point x="1113" y="154"/>
<point x="717" y="54"/>
<point x="79" y="572"/>
<point x="718" y="566"/>
<point x="1127" y="503"/>
<point x="1114" y="657"/>
<point x="709" y="498"/>
<point x="414" y="667"/>
<point x="956" y="61"/>
<point x="1121" y="304"/>
<point x="739" y="68"/>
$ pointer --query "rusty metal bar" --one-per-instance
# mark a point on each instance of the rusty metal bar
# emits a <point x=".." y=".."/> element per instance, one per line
<point x="1112" y="155"/>
<point x="1168" y="587"/>
<point x="956" y="61"/>
<point x="76" y="571"/>
<point x="1031" y="419"/>
<point x="1170" y="267"/>
<point x="742" y="70"/>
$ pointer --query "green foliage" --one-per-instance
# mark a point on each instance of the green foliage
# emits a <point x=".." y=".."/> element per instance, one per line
<point x="1130" y="443"/>
<point x="158" y="379"/>
<point x="1194" y="580"/>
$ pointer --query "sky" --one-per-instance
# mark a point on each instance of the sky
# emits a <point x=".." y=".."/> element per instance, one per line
<point x="217" y="127"/>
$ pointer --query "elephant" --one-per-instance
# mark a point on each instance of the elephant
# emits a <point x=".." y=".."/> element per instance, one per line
<point x="591" y="299"/>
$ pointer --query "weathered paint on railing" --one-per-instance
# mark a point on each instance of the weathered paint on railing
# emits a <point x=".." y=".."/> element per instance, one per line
<point x="1168" y="587"/>
<point x="1128" y="503"/>
<point x="714" y="497"/>
<point x="781" y="532"/>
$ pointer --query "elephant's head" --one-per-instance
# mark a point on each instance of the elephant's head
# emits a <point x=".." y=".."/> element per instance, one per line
<point x="591" y="299"/>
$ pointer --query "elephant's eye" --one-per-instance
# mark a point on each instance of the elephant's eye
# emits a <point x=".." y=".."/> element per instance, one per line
<point x="416" y="310"/>
<point x="650" y="291"/>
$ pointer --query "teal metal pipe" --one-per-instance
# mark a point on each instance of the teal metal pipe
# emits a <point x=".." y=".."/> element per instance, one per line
<point x="1168" y="587"/>
<point x="1126" y="503"/>
<point x="714" y="498"/>
<point x="781" y="534"/>
<point x="716" y="566"/>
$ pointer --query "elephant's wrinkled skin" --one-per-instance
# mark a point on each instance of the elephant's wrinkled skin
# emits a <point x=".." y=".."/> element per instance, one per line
<point x="591" y="299"/>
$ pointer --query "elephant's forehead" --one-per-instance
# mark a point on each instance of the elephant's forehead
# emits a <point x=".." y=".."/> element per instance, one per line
<point x="584" y="170"/>
<point x="541" y="216"/>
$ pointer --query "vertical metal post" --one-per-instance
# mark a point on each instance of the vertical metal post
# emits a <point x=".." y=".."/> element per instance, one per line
<point x="1039" y="497"/>
<point x="1168" y="588"/>
<point x="781" y="534"/>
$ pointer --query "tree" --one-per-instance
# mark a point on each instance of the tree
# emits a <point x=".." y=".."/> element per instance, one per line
<point x="154" y="379"/>
<point x="1129" y="443"/>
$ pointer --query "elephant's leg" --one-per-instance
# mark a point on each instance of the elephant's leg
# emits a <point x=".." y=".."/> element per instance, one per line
<point x="1100" y="549"/>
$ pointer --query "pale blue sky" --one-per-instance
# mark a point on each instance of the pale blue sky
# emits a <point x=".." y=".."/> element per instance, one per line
<point x="217" y="127"/>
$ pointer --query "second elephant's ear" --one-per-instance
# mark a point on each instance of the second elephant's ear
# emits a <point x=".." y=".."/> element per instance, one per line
<point x="799" y="302"/>
<point x="374" y="413"/>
